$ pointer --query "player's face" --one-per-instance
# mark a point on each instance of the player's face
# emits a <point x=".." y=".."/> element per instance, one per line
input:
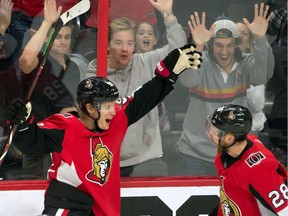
<point x="244" y="37"/>
<point x="107" y="112"/>
<point x="219" y="140"/>
<point x="223" y="52"/>
<point x="121" y="47"/>
<point x="62" y="42"/>
<point x="213" y="134"/>
<point x="145" y="38"/>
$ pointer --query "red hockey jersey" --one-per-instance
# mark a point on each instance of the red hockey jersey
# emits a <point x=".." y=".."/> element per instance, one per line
<point x="254" y="184"/>
<point x="87" y="159"/>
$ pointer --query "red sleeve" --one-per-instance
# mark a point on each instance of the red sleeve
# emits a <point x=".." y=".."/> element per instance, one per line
<point x="271" y="188"/>
<point x="56" y="121"/>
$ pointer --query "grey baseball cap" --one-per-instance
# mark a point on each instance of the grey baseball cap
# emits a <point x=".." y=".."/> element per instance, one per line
<point x="225" y="24"/>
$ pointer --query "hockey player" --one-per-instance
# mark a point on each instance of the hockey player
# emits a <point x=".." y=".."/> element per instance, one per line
<point x="252" y="181"/>
<point x="85" y="172"/>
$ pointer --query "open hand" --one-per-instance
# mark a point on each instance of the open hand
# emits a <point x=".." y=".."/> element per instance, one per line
<point x="199" y="32"/>
<point x="51" y="13"/>
<point x="5" y="14"/>
<point x="162" y="5"/>
<point x="259" y="25"/>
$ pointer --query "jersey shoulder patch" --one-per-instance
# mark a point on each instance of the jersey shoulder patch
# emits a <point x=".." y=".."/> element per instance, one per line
<point x="254" y="159"/>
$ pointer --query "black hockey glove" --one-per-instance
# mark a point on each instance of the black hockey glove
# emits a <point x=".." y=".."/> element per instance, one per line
<point x="19" y="113"/>
<point x="177" y="61"/>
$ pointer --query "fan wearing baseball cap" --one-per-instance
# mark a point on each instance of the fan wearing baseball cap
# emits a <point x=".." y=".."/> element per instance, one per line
<point x="231" y="29"/>
<point x="224" y="77"/>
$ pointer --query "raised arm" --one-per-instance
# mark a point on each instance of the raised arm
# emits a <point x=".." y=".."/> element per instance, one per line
<point x="167" y="72"/>
<point x="259" y="25"/>
<point x="176" y="37"/>
<point x="165" y="8"/>
<point x="175" y="34"/>
<point x="262" y="66"/>
<point x="200" y="34"/>
<point x="5" y="15"/>
<point x="29" y="57"/>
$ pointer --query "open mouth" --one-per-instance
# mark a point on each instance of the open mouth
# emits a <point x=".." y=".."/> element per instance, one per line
<point x="123" y="56"/>
<point x="146" y="42"/>
<point x="224" y="58"/>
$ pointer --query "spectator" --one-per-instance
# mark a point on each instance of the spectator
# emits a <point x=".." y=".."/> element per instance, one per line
<point x="58" y="67"/>
<point x="245" y="166"/>
<point x="277" y="85"/>
<point x="246" y="39"/>
<point x="25" y="12"/>
<point x="57" y="83"/>
<point x="277" y="31"/>
<point x="146" y="37"/>
<point x="84" y="178"/>
<point x="141" y="151"/>
<point x="224" y="78"/>
<point x="7" y="42"/>
<point x="255" y="94"/>
<point x="256" y="104"/>
<point x="10" y="88"/>
<point x="146" y="40"/>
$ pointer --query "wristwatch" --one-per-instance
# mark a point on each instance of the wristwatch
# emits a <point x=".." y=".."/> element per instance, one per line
<point x="166" y="14"/>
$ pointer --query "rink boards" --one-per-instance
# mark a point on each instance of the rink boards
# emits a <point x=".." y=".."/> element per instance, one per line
<point x="175" y="196"/>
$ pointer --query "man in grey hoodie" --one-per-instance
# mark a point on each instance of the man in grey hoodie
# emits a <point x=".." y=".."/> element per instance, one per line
<point x="141" y="149"/>
<point x="224" y="78"/>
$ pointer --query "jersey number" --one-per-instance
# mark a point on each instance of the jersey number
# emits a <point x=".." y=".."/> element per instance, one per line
<point x="53" y="91"/>
<point x="276" y="196"/>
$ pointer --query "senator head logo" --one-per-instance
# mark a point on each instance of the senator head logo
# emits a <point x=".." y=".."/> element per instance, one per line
<point x="229" y="207"/>
<point x="102" y="162"/>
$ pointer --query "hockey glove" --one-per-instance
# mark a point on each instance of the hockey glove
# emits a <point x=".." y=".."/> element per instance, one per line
<point x="177" y="61"/>
<point x="19" y="113"/>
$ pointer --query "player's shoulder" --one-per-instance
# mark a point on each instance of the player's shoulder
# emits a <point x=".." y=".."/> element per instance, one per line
<point x="64" y="115"/>
<point x="60" y="121"/>
<point x="258" y="155"/>
<point x="122" y="103"/>
<point x="63" y="118"/>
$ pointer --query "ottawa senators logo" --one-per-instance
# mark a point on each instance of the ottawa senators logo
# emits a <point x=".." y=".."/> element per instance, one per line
<point x="254" y="159"/>
<point x="231" y="115"/>
<point x="229" y="207"/>
<point x="102" y="162"/>
<point x="89" y="84"/>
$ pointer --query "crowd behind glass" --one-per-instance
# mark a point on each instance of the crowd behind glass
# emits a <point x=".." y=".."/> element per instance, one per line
<point x="81" y="55"/>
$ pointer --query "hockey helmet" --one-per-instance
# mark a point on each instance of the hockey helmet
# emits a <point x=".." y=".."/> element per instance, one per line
<point x="96" y="90"/>
<point x="232" y="118"/>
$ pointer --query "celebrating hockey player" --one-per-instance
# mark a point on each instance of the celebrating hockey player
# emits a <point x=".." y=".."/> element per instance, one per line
<point x="252" y="181"/>
<point x="84" y="178"/>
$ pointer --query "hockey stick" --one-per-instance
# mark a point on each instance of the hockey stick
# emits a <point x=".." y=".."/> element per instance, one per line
<point x="78" y="9"/>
